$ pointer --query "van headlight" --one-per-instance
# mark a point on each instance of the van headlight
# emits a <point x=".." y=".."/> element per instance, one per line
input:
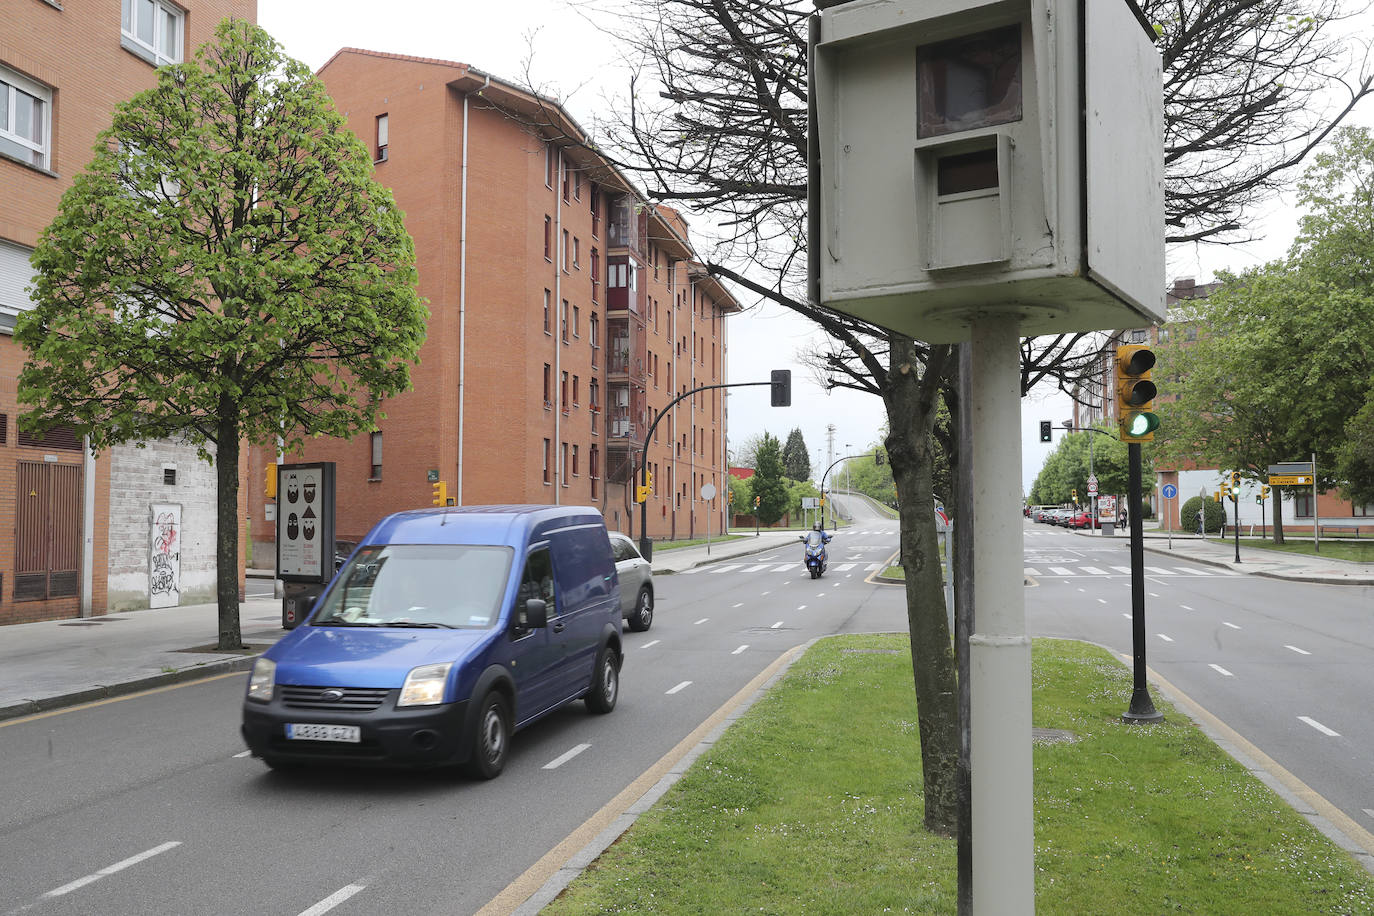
<point x="424" y="685"/>
<point x="263" y="677"/>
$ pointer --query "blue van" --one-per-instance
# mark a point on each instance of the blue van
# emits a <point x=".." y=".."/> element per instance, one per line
<point x="445" y="631"/>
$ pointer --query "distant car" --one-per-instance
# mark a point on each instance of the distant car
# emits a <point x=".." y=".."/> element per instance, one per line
<point x="636" y="583"/>
<point x="1083" y="519"/>
<point x="342" y="551"/>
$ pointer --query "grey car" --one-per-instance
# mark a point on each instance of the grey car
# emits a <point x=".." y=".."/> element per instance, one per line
<point x="636" y="583"/>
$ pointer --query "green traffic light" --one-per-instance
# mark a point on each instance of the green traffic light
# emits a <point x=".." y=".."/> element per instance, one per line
<point x="1142" y="424"/>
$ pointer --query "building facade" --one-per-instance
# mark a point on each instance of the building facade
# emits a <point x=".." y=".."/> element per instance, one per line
<point x="565" y="313"/>
<point x="63" y="69"/>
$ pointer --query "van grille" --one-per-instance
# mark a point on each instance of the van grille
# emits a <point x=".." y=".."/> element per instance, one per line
<point x="354" y="699"/>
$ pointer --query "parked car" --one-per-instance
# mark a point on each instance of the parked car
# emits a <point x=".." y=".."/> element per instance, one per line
<point x="636" y="583"/>
<point x="445" y="632"/>
<point x="1083" y="519"/>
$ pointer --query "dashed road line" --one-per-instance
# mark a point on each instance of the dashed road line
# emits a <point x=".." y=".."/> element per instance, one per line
<point x="561" y="759"/>
<point x="1297" y="650"/>
<point x="112" y="869"/>
<point x="652" y="642"/>
<point x="1319" y="727"/>
<point x="1220" y="670"/>
<point x="333" y="900"/>
<point x="740" y="650"/>
<point x="680" y="687"/>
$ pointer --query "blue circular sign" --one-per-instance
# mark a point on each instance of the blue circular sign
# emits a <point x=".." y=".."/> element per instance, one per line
<point x="1170" y="491"/>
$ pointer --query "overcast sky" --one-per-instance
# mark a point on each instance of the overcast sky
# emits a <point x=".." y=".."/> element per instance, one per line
<point x="552" y="45"/>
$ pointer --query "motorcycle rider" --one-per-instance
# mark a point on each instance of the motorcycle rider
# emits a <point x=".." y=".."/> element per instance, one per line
<point x="815" y="541"/>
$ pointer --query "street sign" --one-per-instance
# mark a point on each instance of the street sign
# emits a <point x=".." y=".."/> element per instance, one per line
<point x="1092" y="486"/>
<point x="708" y="491"/>
<point x="1290" y="480"/>
<point x="811" y="502"/>
<point x="1170" y="491"/>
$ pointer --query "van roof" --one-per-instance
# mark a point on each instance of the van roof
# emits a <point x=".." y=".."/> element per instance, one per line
<point x="513" y="524"/>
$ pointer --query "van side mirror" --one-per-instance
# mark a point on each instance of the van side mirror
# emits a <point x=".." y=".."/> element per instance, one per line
<point x="536" y="613"/>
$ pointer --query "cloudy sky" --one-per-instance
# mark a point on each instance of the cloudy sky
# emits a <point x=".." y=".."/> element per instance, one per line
<point x="557" y="46"/>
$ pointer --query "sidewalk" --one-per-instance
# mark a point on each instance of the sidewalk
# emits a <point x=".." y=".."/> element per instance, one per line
<point x="684" y="558"/>
<point x="1254" y="561"/>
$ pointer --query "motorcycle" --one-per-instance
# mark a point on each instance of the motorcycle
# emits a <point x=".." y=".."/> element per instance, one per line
<point x="815" y="551"/>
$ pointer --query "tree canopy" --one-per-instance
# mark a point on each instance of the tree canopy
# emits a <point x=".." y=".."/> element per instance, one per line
<point x="795" y="459"/>
<point x="767" y="483"/>
<point x="225" y="268"/>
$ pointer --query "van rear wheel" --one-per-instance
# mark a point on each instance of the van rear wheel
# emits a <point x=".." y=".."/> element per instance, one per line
<point x="491" y="741"/>
<point x="605" y="689"/>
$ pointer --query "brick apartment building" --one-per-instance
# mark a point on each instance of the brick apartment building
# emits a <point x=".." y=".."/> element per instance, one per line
<point x="67" y="545"/>
<point x="565" y="313"/>
<point x="1189" y="477"/>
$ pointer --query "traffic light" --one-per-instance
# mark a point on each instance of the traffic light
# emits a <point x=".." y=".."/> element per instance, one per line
<point x="1135" y="393"/>
<point x="1046" y="431"/>
<point x="1074" y="494"/>
<point x="1235" y="486"/>
<point x="1264" y="492"/>
<point x="440" y="489"/>
<point x="782" y="387"/>
<point x="641" y="494"/>
<point x="272" y="481"/>
<point x="756" y="501"/>
<point x="879" y="458"/>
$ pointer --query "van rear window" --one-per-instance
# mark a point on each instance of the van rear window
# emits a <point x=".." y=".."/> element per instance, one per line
<point x="441" y="586"/>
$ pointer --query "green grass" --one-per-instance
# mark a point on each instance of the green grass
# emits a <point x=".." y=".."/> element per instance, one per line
<point x="1359" y="551"/>
<point x="811" y="803"/>
<point x="696" y="542"/>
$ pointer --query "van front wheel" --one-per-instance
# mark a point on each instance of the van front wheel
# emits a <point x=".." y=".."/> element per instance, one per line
<point x="605" y="689"/>
<point x="491" y="742"/>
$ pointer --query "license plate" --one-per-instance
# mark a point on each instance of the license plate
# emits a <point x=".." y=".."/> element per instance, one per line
<point x="303" y="732"/>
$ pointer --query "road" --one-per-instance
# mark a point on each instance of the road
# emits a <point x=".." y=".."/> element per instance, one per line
<point x="1288" y="665"/>
<point x="148" y="805"/>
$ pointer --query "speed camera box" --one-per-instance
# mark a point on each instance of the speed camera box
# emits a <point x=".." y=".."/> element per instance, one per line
<point x="975" y="160"/>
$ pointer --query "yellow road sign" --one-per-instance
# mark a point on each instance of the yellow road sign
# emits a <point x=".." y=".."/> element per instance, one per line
<point x="1290" y="480"/>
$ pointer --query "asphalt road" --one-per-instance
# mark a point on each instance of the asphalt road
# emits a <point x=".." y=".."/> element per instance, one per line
<point x="1288" y="665"/>
<point x="148" y="805"/>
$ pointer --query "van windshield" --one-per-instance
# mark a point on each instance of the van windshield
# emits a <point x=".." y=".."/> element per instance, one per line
<point x="441" y="586"/>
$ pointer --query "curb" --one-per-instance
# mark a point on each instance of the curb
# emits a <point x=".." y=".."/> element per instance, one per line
<point x="710" y="560"/>
<point x="1267" y="574"/>
<point x="124" y="688"/>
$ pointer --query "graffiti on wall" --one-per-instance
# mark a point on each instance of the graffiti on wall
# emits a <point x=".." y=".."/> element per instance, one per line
<point x="164" y="567"/>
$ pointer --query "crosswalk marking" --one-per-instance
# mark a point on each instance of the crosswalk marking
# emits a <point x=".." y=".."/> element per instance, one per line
<point x="1123" y="569"/>
<point x="1093" y="570"/>
<point x="1061" y="571"/>
<point x="755" y="568"/>
<point x="1031" y="571"/>
<point x="1158" y="570"/>
<point x="845" y="567"/>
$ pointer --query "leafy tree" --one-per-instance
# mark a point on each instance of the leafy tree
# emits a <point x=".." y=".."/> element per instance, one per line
<point x="795" y="459"/>
<point x="745" y="455"/>
<point x="225" y="269"/>
<point x="872" y="479"/>
<point x="741" y="495"/>
<point x="1068" y="467"/>
<point x="1355" y="457"/>
<point x="768" y="484"/>
<point x="1213" y="514"/>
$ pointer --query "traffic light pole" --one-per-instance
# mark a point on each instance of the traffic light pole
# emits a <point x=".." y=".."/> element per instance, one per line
<point x="836" y="524"/>
<point x="1142" y="709"/>
<point x="646" y="543"/>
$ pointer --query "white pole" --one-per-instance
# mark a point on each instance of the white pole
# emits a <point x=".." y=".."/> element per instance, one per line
<point x="1316" y="516"/>
<point x="999" y="652"/>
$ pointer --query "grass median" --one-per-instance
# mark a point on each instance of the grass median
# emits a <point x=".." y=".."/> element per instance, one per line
<point x="811" y="803"/>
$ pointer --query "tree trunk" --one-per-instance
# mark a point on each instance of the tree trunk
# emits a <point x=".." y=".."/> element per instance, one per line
<point x="1278" y="516"/>
<point x="227" y="529"/>
<point x="911" y="417"/>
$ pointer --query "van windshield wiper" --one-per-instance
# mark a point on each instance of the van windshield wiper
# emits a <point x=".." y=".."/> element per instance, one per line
<point x="426" y="624"/>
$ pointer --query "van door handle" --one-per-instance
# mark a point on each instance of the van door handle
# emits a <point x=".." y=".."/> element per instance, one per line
<point x="559" y="627"/>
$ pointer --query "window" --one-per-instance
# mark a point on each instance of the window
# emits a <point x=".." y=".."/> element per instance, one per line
<point x="577" y="253"/>
<point x="565" y="320"/>
<point x="594" y="468"/>
<point x="594" y="332"/>
<point x="563" y="393"/>
<point x="169" y="475"/>
<point x="577" y="185"/>
<point x="548" y="446"/>
<point x="376" y="456"/>
<point x="381" y="138"/>
<point x="575" y="398"/>
<point x="152" y="30"/>
<point x="594" y="395"/>
<point x="1364" y="511"/>
<point x="548" y="310"/>
<point x="577" y="321"/>
<point x="567" y="183"/>
<point x="969" y="82"/>
<point x="596" y="275"/>
<point x="548" y="238"/>
<point x="16" y="275"/>
<point x="563" y="255"/>
<point x="596" y="215"/>
<point x="548" y="386"/>
<point x="550" y="164"/>
<point x="564" y="474"/>
<point x="1302" y="505"/>
<point x="25" y="119"/>
<point x="574" y="461"/>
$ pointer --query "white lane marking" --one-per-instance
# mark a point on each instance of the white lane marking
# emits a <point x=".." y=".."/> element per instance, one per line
<point x="1160" y="570"/>
<point x="1128" y="616"/>
<point x="740" y="650"/>
<point x="845" y="566"/>
<point x="801" y="607"/>
<point x="722" y="569"/>
<point x="874" y="567"/>
<point x="558" y="761"/>
<point x="741" y="604"/>
<point x="1154" y="594"/>
<point x="1220" y="670"/>
<point x="765" y="594"/>
<point x="333" y="900"/>
<point x="1061" y="571"/>
<point x="1185" y="607"/>
<point x="111" y="869"/>
<point x="1195" y="572"/>
<point x="1297" y="650"/>
<point x="1101" y="600"/>
<point x="1319" y="727"/>
<point x="1083" y="590"/>
<point x="1226" y="623"/>
<point x="243" y="754"/>
<point x="683" y="686"/>
<point x="776" y="625"/>
<point x="652" y="642"/>
<point x="1093" y="570"/>
<point x="1125" y="569"/>
<point x="1165" y="638"/>
<point x="701" y="621"/>
<point x="785" y="567"/>
<point x="757" y="568"/>
<point x="1030" y="571"/>
<point x="1369" y="811"/>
